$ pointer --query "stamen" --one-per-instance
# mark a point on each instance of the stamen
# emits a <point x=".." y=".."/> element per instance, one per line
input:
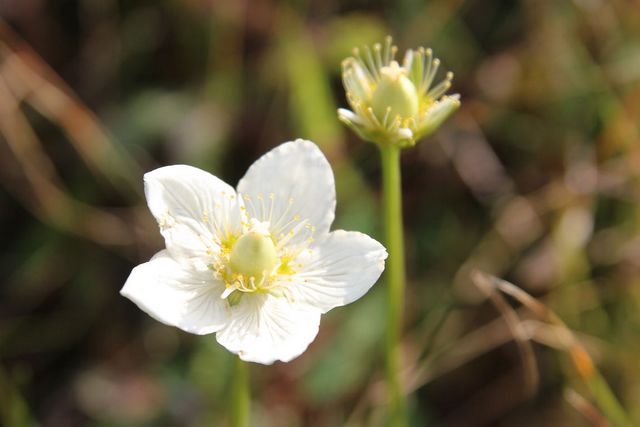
<point x="388" y="54"/>
<point x="373" y="117"/>
<point x="377" y="52"/>
<point x="271" y="198"/>
<point x="385" y="122"/>
<point x="435" y="64"/>
<point x="426" y="59"/>
<point x="371" y="63"/>
<point x="277" y="227"/>
<point x="285" y="239"/>
<point x="414" y="62"/>
<point x="441" y="88"/>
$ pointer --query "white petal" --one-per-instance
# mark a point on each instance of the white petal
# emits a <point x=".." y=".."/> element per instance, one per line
<point x="338" y="271"/>
<point x="292" y="187"/>
<point x="349" y="116"/>
<point x="357" y="81"/>
<point x="404" y="133"/>
<point x="188" y="299"/>
<point x="264" y="328"/>
<point x="193" y="209"/>
<point x="437" y="114"/>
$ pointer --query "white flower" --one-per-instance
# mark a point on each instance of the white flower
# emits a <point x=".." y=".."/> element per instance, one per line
<point x="258" y="266"/>
<point x="393" y="103"/>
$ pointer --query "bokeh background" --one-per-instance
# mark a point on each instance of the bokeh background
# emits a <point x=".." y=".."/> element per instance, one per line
<point x="535" y="179"/>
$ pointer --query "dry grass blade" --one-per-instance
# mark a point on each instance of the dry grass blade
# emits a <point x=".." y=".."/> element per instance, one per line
<point x="584" y="407"/>
<point x="40" y="189"/>
<point x="33" y="81"/>
<point x="442" y="361"/>
<point x="531" y="376"/>
<point x="465" y="349"/>
<point x="565" y="339"/>
<point x="420" y="372"/>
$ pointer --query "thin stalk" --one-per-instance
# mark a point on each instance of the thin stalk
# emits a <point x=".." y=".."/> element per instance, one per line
<point x="240" y="395"/>
<point x="601" y="392"/>
<point x="395" y="275"/>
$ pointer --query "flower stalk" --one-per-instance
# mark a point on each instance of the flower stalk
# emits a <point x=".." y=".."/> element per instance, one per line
<point x="394" y="103"/>
<point x="394" y="239"/>
<point x="241" y="399"/>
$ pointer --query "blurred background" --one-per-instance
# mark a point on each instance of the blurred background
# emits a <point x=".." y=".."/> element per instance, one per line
<point x="535" y="179"/>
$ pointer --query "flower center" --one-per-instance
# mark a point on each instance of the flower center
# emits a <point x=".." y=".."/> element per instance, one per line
<point x="252" y="262"/>
<point x="263" y="258"/>
<point x="395" y="94"/>
<point x="253" y="255"/>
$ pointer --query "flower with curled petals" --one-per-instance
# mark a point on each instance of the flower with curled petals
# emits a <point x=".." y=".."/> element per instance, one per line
<point x="257" y="266"/>
<point x="393" y="103"/>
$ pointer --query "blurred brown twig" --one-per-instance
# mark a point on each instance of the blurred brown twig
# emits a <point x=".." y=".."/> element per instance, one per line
<point x="30" y="175"/>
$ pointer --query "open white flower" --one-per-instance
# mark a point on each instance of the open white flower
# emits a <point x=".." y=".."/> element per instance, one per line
<point x="257" y="266"/>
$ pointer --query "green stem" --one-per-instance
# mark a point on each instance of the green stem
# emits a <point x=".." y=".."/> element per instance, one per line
<point x="240" y="395"/>
<point x="395" y="281"/>
<point x="607" y="401"/>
